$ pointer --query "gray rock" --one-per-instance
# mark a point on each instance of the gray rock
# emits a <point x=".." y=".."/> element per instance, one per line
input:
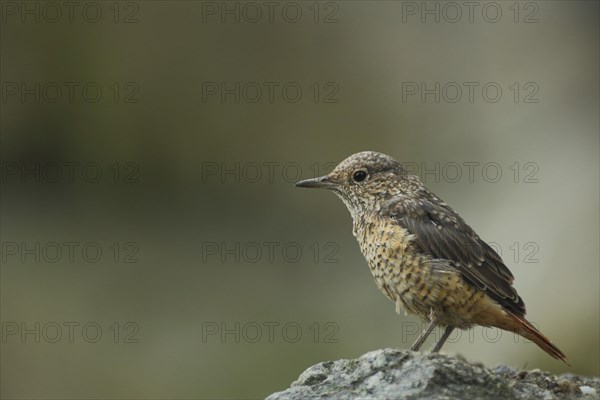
<point x="398" y="374"/>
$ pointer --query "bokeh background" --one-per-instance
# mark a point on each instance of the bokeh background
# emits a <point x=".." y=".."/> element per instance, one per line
<point x="197" y="186"/>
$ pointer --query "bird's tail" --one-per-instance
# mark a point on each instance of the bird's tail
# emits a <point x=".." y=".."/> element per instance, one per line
<point x="525" y="329"/>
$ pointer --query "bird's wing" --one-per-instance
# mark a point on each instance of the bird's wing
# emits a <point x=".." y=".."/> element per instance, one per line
<point x="442" y="234"/>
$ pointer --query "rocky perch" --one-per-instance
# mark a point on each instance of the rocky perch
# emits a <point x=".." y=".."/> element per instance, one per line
<point x="398" y="374"/>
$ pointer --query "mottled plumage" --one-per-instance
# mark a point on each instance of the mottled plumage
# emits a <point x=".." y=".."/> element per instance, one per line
<point x="422" y="254"/>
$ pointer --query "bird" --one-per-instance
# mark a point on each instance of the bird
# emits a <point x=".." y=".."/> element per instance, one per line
<point x="422" y="254"/>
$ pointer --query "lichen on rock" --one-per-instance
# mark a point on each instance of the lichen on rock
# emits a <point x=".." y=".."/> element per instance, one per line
<point x="399" y="374"/>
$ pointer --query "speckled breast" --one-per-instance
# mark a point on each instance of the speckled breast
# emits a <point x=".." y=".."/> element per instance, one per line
<point x="408" y="279"/>
<point x="396" y="268"/>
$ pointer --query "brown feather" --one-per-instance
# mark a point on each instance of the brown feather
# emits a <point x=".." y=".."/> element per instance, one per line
<point x="443" y="235"/>
<point x="524" y="328"/>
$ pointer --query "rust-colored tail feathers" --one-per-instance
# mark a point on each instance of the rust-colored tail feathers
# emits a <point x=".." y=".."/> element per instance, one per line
<point x="525" y="329"/>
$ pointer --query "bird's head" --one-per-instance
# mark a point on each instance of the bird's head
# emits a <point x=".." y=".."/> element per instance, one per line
<point x="363" y="181"/>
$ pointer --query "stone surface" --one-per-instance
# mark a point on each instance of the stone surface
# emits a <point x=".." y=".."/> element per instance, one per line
<point x="398" y="374"/>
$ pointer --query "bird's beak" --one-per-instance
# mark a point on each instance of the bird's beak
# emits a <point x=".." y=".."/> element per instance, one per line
<point x="322" y="182"/>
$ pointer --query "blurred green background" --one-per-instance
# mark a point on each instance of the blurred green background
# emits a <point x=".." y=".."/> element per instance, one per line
<point x="197" y="183"/>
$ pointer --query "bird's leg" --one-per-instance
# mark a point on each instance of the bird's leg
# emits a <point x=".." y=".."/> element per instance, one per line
<point x="443" y="339"/>
<point x="423" y="337"/>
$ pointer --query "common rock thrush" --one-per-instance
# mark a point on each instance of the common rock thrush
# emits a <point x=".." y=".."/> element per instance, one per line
<point x="422" y="254"/>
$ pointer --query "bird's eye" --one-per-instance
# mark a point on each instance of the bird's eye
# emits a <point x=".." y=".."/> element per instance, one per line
<point x="359" y="175"/>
